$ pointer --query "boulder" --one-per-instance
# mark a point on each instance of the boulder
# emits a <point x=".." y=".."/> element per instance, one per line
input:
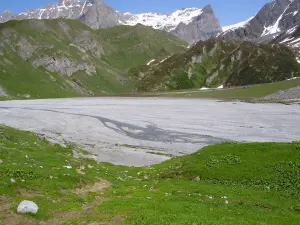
<point x="27" y="207"/>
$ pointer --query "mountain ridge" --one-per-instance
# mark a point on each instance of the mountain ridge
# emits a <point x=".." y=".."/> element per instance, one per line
<point x="190" y="24"/>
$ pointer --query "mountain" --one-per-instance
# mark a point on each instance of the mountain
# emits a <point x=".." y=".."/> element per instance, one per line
<point x="191" y="25"/>
<point x="6" y="16"/>
<point x="273" y="19"/>
<point x="94" y="13"/>
<point x="218" y="63"/>
<point x="65" y="58"/>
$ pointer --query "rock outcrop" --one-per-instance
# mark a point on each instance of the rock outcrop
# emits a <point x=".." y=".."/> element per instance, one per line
<point x="201" y="28"/>
<point x="99" y="15"/>
<point x="87" y="43"/>
<point x="63" y="66"/>
<point x="3" y="92"/>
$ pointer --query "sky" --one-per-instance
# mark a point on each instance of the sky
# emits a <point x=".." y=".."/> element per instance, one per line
<point x="228" y="11"/>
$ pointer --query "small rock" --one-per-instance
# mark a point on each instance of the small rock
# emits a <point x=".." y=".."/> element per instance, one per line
<point x="1" y="161"/>
<point x="197" y="179"/>
<point x="68" y="167"/>
<point x="27" y="207"/>
<point x="12" y="180"/>
<point x="79" y="171"/>
<point x="41" y="138"/>
<point x="149" y="198"/>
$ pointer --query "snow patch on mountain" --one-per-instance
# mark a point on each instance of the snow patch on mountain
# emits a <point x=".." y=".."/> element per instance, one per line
<point x="274" y="29"/>
<point x="150" y="62"/>
<point x="166" y="22"/>
<point x="237" y="25"/>
<point x="67" y="9"/>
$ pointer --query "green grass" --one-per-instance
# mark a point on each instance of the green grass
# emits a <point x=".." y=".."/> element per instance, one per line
<point x="224" y="184"/>
<point x="4" y="98"/>
<point x="254" y="91"/>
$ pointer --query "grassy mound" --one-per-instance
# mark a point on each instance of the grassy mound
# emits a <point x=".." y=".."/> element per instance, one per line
<point x="223" y="184"/>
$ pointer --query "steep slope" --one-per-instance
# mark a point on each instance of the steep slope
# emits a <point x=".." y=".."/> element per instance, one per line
<point x="191" y="24"/>
<point x="273" y="19"/>
<point x="61" y="58"/>
<point x="290" y="38"/>
<point x="215" y="63"/>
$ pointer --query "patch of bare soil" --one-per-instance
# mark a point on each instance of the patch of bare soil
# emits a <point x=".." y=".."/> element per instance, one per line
<point x="97" y="187"/>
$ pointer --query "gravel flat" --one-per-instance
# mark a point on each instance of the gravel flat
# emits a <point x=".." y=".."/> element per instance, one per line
<point x="145" y="131"/>
<point x="292" y="93"/>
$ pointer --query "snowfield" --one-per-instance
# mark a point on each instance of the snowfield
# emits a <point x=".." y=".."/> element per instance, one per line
<point x="166" y="22"/>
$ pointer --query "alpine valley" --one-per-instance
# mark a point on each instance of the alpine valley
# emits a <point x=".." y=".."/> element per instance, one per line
<point x="86" y="48"/>
<point x="110" y="117"/>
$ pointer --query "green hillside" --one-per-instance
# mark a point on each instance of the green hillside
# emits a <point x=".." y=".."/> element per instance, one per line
<point x="227" y="184"/>
<point x="65" y="58"/>
<point x="213" y="63"/>
<point x="245" y="92"/>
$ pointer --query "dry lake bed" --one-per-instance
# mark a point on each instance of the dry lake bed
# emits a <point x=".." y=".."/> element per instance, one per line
<point x="145" y="131"/>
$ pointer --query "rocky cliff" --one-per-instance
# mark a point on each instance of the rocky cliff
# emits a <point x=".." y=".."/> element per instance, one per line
<point x="202" y="27"/>
<point x="273" y="19"/>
